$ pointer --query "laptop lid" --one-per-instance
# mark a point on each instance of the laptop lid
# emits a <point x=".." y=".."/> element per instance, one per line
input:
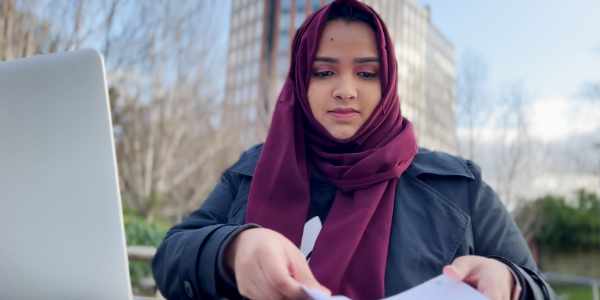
<point x="61" y="224"/>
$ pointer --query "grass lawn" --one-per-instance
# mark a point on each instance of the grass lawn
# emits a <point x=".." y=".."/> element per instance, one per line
<point x="573" y="292"/>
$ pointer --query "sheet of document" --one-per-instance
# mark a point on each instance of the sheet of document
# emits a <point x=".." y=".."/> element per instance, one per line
<point x="312" y="228"/>
<point x="440" y="287"/>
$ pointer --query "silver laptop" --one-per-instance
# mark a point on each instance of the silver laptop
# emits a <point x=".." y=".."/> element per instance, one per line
<point x="61" y="225"/>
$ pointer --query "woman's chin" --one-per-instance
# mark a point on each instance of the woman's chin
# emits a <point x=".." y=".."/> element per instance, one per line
<point x="343" y="134"/>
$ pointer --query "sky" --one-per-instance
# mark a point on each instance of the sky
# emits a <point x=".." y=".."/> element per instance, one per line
<point x="549" y="47"/>
<point x="552" y="48"/>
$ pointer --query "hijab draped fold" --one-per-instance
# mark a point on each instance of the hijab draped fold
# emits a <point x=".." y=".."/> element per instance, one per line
<point x="350" y="254"/>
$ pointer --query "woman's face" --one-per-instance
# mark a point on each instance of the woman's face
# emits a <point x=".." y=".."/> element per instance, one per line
<point x="345" y="88"/>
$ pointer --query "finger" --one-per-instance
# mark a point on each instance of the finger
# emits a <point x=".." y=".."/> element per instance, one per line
<point x="491" y="292"/>
<point x="462" y="267"/>
<point x="245" y="283"/>
<point x="254" y="290"/>
<point x="256" y="286"/>
<point x="279" y="279"/>
<point x="301" y="272"/>
<point x="490" y="287"/>
<point x="452" y="272"/>
<point x="272" y="288"/>
<point x="256" y="278"/>
<point x="456" y="274"/>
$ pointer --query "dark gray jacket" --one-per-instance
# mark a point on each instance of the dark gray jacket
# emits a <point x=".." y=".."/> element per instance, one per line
<point x="443" y="210"/>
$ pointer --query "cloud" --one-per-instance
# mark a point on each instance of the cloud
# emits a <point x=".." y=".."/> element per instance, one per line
<point x="557" y="118"/>
<point x="549" y="119"/>
<point x="561" y="151"/>
<point x="562" y="183"/>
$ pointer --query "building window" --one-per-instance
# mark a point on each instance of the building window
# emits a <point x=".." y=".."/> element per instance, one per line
<point x="257" y="29"/>
<point x="284" y="22"/>
<point x="259" y="6"/>
<point x="251" y="11"/>
<point x="299" y="17"/>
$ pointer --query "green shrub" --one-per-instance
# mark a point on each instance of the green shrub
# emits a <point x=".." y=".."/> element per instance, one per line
<point x="140" y="232"/>
<point x="566" y="224"/>
<point x="573" y="292"/>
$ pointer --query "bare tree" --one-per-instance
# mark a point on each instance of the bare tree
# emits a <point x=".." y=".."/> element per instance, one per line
<point x="591" y="90"/>
<point x="527" y="216"/>
<point x="167" y="152"/>
<point x="172" y="134"/>
<point x="472" y="100"/>
<point x="22" y="33"/>
<point x="514" y="145"/>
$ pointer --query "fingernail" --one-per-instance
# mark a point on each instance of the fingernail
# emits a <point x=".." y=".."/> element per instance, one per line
<point x="451" y="272"/>
<point x="325" y="290"/>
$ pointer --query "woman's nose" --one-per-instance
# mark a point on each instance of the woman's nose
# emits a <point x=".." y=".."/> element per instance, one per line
<point x="345" y="90"/>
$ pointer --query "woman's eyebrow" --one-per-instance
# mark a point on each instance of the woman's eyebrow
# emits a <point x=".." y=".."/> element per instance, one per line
<point x="327" y="59"/>
<point x="363" y="60"/>
<point x="358" y="60"/>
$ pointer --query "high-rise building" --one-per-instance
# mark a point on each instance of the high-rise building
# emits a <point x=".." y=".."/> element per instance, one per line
<point x="258" y="60"/>
<point x="440" y="93"/>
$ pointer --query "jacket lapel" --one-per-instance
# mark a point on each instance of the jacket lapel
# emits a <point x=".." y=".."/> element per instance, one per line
<point x="427" y="229"/>
<point x="427" y="226"/>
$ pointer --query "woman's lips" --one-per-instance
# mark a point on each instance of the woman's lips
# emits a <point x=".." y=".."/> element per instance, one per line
<point x="343" y="114"/>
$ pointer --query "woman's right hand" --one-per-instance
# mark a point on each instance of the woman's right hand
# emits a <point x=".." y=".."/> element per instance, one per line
<point x="269" y="266"/>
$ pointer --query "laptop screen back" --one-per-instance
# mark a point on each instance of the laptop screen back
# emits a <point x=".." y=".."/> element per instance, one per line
<point x="61" y="224"/>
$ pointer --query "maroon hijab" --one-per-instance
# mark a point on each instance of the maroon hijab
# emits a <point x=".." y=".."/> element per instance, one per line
<point x="365" y="168"/>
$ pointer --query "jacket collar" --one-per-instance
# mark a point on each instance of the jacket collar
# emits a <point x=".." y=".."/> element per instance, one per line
<point x="426" y="162"/>
<point x="247" y="162"/>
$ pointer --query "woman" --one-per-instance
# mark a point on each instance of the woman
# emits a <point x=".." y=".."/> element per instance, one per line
<point x="338" y="148"/>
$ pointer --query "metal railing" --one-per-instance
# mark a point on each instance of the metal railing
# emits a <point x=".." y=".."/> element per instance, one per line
<point x="593" y="283"/>
<point x="145" y="254"/>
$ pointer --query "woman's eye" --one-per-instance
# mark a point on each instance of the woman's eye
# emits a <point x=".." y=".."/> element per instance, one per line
<point x="367" y="75"/>
<point x="322" y="74"/>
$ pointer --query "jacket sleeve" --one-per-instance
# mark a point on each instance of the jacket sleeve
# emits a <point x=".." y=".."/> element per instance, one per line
<point x="497" y="236"/>
<point x="187" y="263"/>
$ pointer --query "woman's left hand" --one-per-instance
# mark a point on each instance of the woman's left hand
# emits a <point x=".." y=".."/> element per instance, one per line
<point x="489" y="276"/>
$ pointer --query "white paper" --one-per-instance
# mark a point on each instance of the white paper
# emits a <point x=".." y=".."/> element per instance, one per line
<point x="309" y="235"/>
<point x="314" y="294"/>
<point x="441" y="287"/>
